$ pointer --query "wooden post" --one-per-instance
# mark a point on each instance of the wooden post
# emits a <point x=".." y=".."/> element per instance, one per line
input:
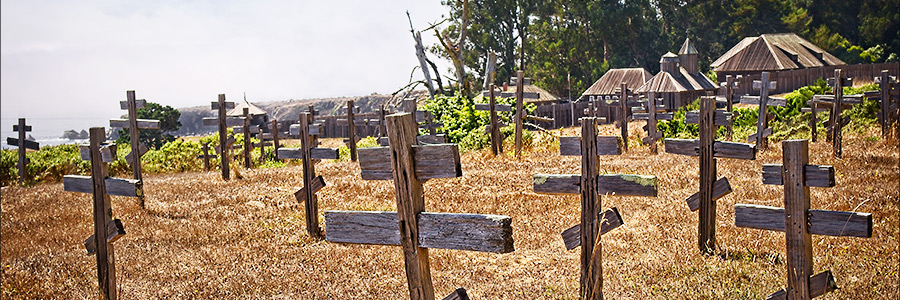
<point x="494" y="125"/>
<point x="652" y="135"/>
<point x="221" y="106"/>
<point x="589" y="185"/>
<point x="520" y="114"/>
<point x="729" y="100"/>
<point x="22" y="143"/>
<point x="205" y="156"/>
<point x="246" y="144"/>
<point x="572" y="105"/>
<point x="351" y="128"/>
<point x="837" y="113"/>
<point x="408" y="165"/>
<point x="623" y="118"/>
<point x="798" y="221"/>
<point x="275" y="137"/>
<point x="106" y="229"/>
<point x="764" y="101"/>
<point x="884" y="116"/>
<point x="133" y="124"/>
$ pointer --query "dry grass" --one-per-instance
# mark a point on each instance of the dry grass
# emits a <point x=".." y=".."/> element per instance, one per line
<point x="201" y="237"/>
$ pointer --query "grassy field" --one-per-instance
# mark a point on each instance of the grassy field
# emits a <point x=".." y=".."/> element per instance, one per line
<point x="201" y="237"/>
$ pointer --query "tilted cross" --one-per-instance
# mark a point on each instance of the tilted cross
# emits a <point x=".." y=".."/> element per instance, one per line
<point x="653" y="113"/>
<point x="22" y="143"/>
<point x="590" y="185"/>
<point x="309" y="154"/>
<point x="424" y="116"/>
<point x="223" y="121"/>
<point x="133" y="124"/>
<point x="493" y="127"/>
<point x="763" y="101"/>
<point x="708" y="149"/>
<point x="409" y="165"/>
<point x="106" y="229"/>
<point x="799" y="222"/>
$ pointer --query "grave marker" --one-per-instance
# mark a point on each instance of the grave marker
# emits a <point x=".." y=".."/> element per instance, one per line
<point x="652" y="114"/>
<point x="799" y="222"/>
<point x="351" y="129"/>
<point x="409" y="165"/>
<point x="890" y="103"/>
<point x="223" y="121"/>
<point x="729" y="85"/>
<point x="494" y="125"/>
<point x="708" y="149"/>
<point x="22" y="143"/>
<point x="134" y="124"/>
<point x="106" y="229"/>
<point x="764" y="85"/>
<point x="206" y="156"/>
<point x="590" y="184"/>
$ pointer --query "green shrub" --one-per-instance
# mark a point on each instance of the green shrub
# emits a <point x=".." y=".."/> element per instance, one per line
<point x="464" y="125"/>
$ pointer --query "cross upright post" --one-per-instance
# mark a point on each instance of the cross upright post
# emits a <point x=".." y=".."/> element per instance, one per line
<point x="223" y="121"/>
<point x="133" y="124"/>
<point x="351" y="129"/>
<point x="837" y="114"/>
<point x="246" y="129"/>
<point x="415" y="230"/>
<point x="764" y="85"/>
<point x="730" y="84"/>
<point x="495" y="124"/>
<point x="590" y="184"/>
<point x="799" y="222"/>
<point x="22" y="143"/>
<point x="520" y="113"/>
<point x="707" y="148"/>
<point x="623" y="110"/>
<point x="652" y="115"/>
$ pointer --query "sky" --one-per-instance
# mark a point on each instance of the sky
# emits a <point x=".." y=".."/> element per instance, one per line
<point x="64" y="59"/>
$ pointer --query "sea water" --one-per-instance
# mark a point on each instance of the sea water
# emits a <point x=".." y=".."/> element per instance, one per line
<point x="49" y="131"/>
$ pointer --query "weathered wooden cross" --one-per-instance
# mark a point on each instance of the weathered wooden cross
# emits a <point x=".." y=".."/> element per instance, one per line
<point x="520" y="108"/>
<point x="205" y="156"/>
<point x="246" y="130"/>
<point x="265" y="137"/>
<point x="351" y="122"/>
<point x="223" y="121"/>
<point x="799" y="222"/>
<point x="708" y="149"/>
<point x="890" y="103"/>
<point x="654" y="112"/>
<point x="22" y="143"/>
<point x="415" y="230"/>
<point x="835" y="103"/>
<point x="106" y="229"/>
<point x="590" y="185"/>
<point x="729" y="86"/>
<point x="763" y="101"/>
<point x="309" y="154"/>
<point x="133" y="124"/>
<point x="493" y="127"/>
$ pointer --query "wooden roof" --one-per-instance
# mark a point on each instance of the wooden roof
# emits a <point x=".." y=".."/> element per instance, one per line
<point x="688" y="48"/>
<point x="772" y="52"/>
<point x="609" y="82"/>
<point x="683" y="81"/>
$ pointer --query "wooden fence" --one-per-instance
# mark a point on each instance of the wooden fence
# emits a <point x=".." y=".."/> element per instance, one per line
<point x="790" y="80"/>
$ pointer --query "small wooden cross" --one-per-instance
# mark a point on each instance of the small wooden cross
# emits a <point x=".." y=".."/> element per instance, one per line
<point x="265" y="137"/>
<point x="890" y="102"/>
<point x="133" y="124"/>
<point x="206" y="156"/>
<point x="708" y="149"/>
<point x="424" y="116"/>
<point x="223" y="121"/>
<point x="494" y="125"/>
<point x="22" y="143"/>
<point x="729" y="85"/>
<point x="624" y="116"/>
<point x="106" y="229"/>
<point x="415" y="230"/>
<point x="799" y="222"/>
<point x="520" y="108"/>
<point x="653" y="113"/>
<point x="590" y="184"/>
<point x="309" y="154"/>
<point x="351" y="123"/>
<point x="763" y="101"/>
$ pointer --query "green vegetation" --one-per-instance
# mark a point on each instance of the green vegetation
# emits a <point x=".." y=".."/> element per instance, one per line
<point x="168" y="122"/>
<point x="466" y="126"/>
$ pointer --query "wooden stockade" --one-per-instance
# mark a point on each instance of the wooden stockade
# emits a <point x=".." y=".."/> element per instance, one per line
<point x="493" y="128"/>
<point x="708" y="149"/>
<point x="22" y="143"/>
<point x="134" y="124"/>
<point x="652" y="113"/>
<point x="309" y="153"/>
<point x="799" y="222"/>
<point x="590" y="184"/>
<point x="223" y="121"/>
<point x="763" y="101"/>
<point x="106" y="229"/>
<point x="791" y="80"/>
<point x="415" y="230"/>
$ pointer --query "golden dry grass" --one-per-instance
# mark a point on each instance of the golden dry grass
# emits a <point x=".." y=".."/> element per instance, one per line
<point x="204" y="238"/>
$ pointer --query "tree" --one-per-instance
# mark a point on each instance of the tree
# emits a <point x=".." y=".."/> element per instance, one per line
<point x="168" y="122"/>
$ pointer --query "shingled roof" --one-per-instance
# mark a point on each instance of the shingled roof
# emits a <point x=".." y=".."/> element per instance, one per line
<point x="772" y="52"/>
<point x="609" y="82"/>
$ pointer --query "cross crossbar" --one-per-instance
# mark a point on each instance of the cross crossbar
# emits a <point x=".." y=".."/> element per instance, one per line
<point x="432" y="161"/>
<point x="141" y="123"/>
<point x="612" y="184"/>
<point x="611" y="219"/>
<point x="691" y="147"/>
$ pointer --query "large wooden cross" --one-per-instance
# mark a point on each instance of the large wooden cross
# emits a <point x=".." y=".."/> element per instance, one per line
<point x="493" y="127"/>
<point x="708" y="149"/>
<point x="415" y="230"/>
<point x="106" y="229"/>
<point x="654" y="112"/>
<point x="223" y="121"/>
<point x="590" y="185"/>
<point x="763" y="101"/>
<point x="22" y="143"/>
<point x="309" y="154"/>
<point x="133" y="124"/>
<point x="799" y="222"/>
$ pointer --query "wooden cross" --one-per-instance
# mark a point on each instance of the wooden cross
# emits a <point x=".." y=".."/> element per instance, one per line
<point x="264" y="137"/>
<point x="22" y="143"/>
<point x="763" y="101"/>
<point x="708" y="149"/>
<point x="223" y="121"/>
<point x="106" y="229"/>
<point x="133" y="124"/>
<point x="799" y="222"/>
<point x="309" y="154"/>
<point x="495" y="124"/>
<point x="890" y="102"/>
<point x="206" y="156"/>
<point x="653" y="113"/>
<point x="729" y="85"/>
<point x="622" y="122"/>
<point x="520" y="109"/>
<point x="409" y="165"/>
<point x="590" y="184"/>
<point x="351" y="122"/>
<point x="424" y="116"/>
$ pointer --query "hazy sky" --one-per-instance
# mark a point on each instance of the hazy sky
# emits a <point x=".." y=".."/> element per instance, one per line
<point x="77" y="58"/>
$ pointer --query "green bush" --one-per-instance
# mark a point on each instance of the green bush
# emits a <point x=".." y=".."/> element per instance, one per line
<point x="50" y="163"/>
<point x="464" y="125"/>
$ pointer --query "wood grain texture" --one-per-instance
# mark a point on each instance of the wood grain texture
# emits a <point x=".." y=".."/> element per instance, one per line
<point x="114" y="186"/>
<point x="458" y="294"/>
<point x="520" y="111"/>
<point x="707" y="210"/>
<point x="754" y="100"/>
<point x="222" y="123"/>
<point x="497" y="107"/>
<point x="814" y="175"/>
<point x="431" y="161"/>
<point x="796" y="221"/>
<point x="138" y="103"/>
<point x="224" y="105"/>
<point x="323" y="153"/>
<point x="722" y="118"/>
<point x="27" y="144"/>
<point x="610" y="219"/>
<point x="129" y="158"/>
<point x="721" y="149"/>
<point x="290" y="153"/>
<point x="114" y="230"/>
<point x="606" y="145"/>
<point x="106" y="258"/>
<point x="627" y="185"/>
<point x="819" y="285"/>
<point x="141" y="123"/>
<point x="316" y="184"/>
<point x="107" y="152"/>
<point x="821" y="222"/>
<point x="720" y="188"/>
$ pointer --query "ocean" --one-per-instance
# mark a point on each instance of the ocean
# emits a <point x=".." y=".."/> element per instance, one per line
<point x="49" y="131"/>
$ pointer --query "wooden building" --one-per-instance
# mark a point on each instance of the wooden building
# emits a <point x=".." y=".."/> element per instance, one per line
<point x="679" y="81"/>
<point x="607" y="87"/>
<point x="258" y="116"/>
